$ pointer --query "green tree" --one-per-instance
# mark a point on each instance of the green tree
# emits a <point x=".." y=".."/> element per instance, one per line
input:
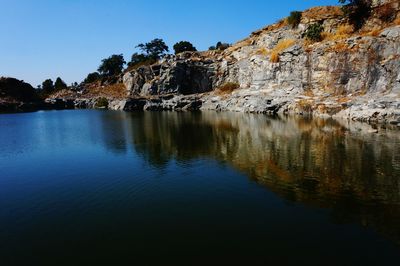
<point x="59" y="84"/>
<point x="222" y="46"/>
<point x="48" y="86"/>
<point x="92" y="77"/>
<point x="140" y="59"/>
<point x="184" y="46"/>
<point x="112" y="65"/>
<point x="154" y="49"/>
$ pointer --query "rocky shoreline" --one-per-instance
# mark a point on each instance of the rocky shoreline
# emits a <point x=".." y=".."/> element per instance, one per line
<point x="353" y="75"/>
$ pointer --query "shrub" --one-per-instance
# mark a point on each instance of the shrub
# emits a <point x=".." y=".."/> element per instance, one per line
<point x="229" y="87"/>
<point x="313" y="33"/>
<point x="294" y="19"/>
<point x="102" y="103"/>
<point x="386" y="13"/>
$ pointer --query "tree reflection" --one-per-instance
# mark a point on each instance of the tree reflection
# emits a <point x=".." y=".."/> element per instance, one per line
<point x="321" y="163"/>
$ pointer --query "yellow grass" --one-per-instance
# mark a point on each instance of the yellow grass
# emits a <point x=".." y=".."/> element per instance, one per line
<point x="343" y="32"/>
<point x="280" y="47"/>
<point x="227" y="88"/>
<point x="374" y="32"/>
<point x="262" y="51"/>
<point x="274" y="57"/>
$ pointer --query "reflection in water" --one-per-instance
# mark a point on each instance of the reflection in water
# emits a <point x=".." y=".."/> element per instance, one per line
<point x="113" y="186"/>
<point x="319" y="163"/>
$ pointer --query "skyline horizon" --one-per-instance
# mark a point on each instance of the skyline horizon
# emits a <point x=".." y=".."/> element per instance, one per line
<point x="39" y="59"/>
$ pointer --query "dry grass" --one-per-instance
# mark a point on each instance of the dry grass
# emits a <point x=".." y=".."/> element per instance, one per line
<point x="227" y="88"/>
<point x="274" y="58"/>
<point x="263" y="51"/>
<point x="397" y="21"/>
<point x="339" y="47"/>
<point x="343" y="32"/>
<point x="309" y="93"/>
<point x="305" y="105"/>
<point x="319" y="13"/>
<point x="374" y="32"/>
<point x="114" y="91"/>
<point x="280" y="47"/>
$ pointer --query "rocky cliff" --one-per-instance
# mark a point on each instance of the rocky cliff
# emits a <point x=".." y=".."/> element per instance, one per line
<point x="352" y="74"/>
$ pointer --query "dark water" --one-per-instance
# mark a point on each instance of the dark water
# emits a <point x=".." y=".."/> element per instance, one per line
<point x="114" y="188"/>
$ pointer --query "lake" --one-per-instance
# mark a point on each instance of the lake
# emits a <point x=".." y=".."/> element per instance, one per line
<point x="87" y="187"/>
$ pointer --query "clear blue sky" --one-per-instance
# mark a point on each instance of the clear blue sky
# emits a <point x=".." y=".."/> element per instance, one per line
<point x="68" y="38"/>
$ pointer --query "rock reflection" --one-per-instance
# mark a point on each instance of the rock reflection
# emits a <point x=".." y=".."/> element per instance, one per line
<point x="320" y="163"/>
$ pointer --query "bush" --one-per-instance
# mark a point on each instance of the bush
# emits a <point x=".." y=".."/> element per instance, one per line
<point x="294" y="19"/>
<point x="313" y="33"/>
<point x="102" y="103"/>
<point x="229" y="87"/>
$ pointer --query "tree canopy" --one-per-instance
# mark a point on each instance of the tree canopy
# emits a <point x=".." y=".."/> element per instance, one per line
<point x="112" y="65"/>
<point x="59" y="84"/>
<point x="184" y="46"/>
<point x="92" y="77"/>
<point x="154" y="49"/>
<point x="48" y="86"/>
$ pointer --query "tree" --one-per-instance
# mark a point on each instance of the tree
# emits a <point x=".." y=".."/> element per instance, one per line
<point x="357" y="11"/>
<point x="154" y="49"/>
<point x="92" y="77"/>
<point x="112" y="65"/>
<point x="184" y="46"/>
<point x="222" y="46"/>
<point x="59" y="84"/>
<point x="137" y="59"/>
<point x="48" y="86"/>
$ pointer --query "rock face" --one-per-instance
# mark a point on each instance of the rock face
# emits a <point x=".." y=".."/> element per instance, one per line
<point x="351" y="75"/>
<point x="186" y="73"/>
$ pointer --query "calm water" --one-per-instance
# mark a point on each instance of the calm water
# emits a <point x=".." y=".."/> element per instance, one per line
<point x="115" y="188"/>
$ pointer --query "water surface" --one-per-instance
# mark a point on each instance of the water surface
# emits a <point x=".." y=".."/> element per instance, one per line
<point x="114" y="188"/>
